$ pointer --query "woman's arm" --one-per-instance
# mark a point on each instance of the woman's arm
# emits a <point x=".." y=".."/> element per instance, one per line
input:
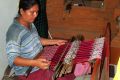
<point x="45" y="41"/>
<point x="40" y="62"/>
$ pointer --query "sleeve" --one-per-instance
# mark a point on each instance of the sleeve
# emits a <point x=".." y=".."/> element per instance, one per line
<point x="12" y="50"/>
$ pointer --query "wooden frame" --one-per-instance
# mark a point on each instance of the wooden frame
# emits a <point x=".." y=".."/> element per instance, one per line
<point x="101" y="67"/>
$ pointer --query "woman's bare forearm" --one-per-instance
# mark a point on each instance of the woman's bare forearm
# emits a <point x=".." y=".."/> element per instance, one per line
<point x="45" y="41"/>
<point x="40" y="62"/>
<point x="19" y="61"/>
<point x="52" y="41"/>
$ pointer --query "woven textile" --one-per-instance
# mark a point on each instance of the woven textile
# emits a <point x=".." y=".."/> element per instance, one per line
<point x="38" y="75"/>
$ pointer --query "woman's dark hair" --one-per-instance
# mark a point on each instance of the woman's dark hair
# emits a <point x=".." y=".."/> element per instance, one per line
<point x="26" y="4"/>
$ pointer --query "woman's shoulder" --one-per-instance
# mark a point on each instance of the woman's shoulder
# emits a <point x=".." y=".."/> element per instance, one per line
<point x="14" y="31"/>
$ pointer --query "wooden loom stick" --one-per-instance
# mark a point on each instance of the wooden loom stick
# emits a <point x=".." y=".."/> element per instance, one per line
<point x="59" y="64"/>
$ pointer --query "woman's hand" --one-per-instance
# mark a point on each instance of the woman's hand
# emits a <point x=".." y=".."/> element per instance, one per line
<point x="42" y="63"/>
<point x="60" y="42"/>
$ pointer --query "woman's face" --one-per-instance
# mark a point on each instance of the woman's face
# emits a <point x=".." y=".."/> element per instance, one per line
<point x="30" y="14"/>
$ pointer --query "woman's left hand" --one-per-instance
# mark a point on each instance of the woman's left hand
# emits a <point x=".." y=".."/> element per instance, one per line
<point x="60" y="42"/>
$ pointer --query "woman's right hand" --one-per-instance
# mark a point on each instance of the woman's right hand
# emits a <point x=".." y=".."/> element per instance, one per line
<point x="42" y="63"/>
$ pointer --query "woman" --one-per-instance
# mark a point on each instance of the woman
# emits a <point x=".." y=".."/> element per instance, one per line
<point x="23" y="43"/>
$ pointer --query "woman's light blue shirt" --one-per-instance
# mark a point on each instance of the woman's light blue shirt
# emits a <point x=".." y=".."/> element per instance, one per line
<point x="22" y="42"/>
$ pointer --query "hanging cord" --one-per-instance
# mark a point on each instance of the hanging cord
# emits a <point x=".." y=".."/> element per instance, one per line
<point x="50" y="35"/>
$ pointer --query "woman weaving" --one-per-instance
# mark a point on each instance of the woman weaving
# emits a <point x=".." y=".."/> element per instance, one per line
<point x="23" y="43"/>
